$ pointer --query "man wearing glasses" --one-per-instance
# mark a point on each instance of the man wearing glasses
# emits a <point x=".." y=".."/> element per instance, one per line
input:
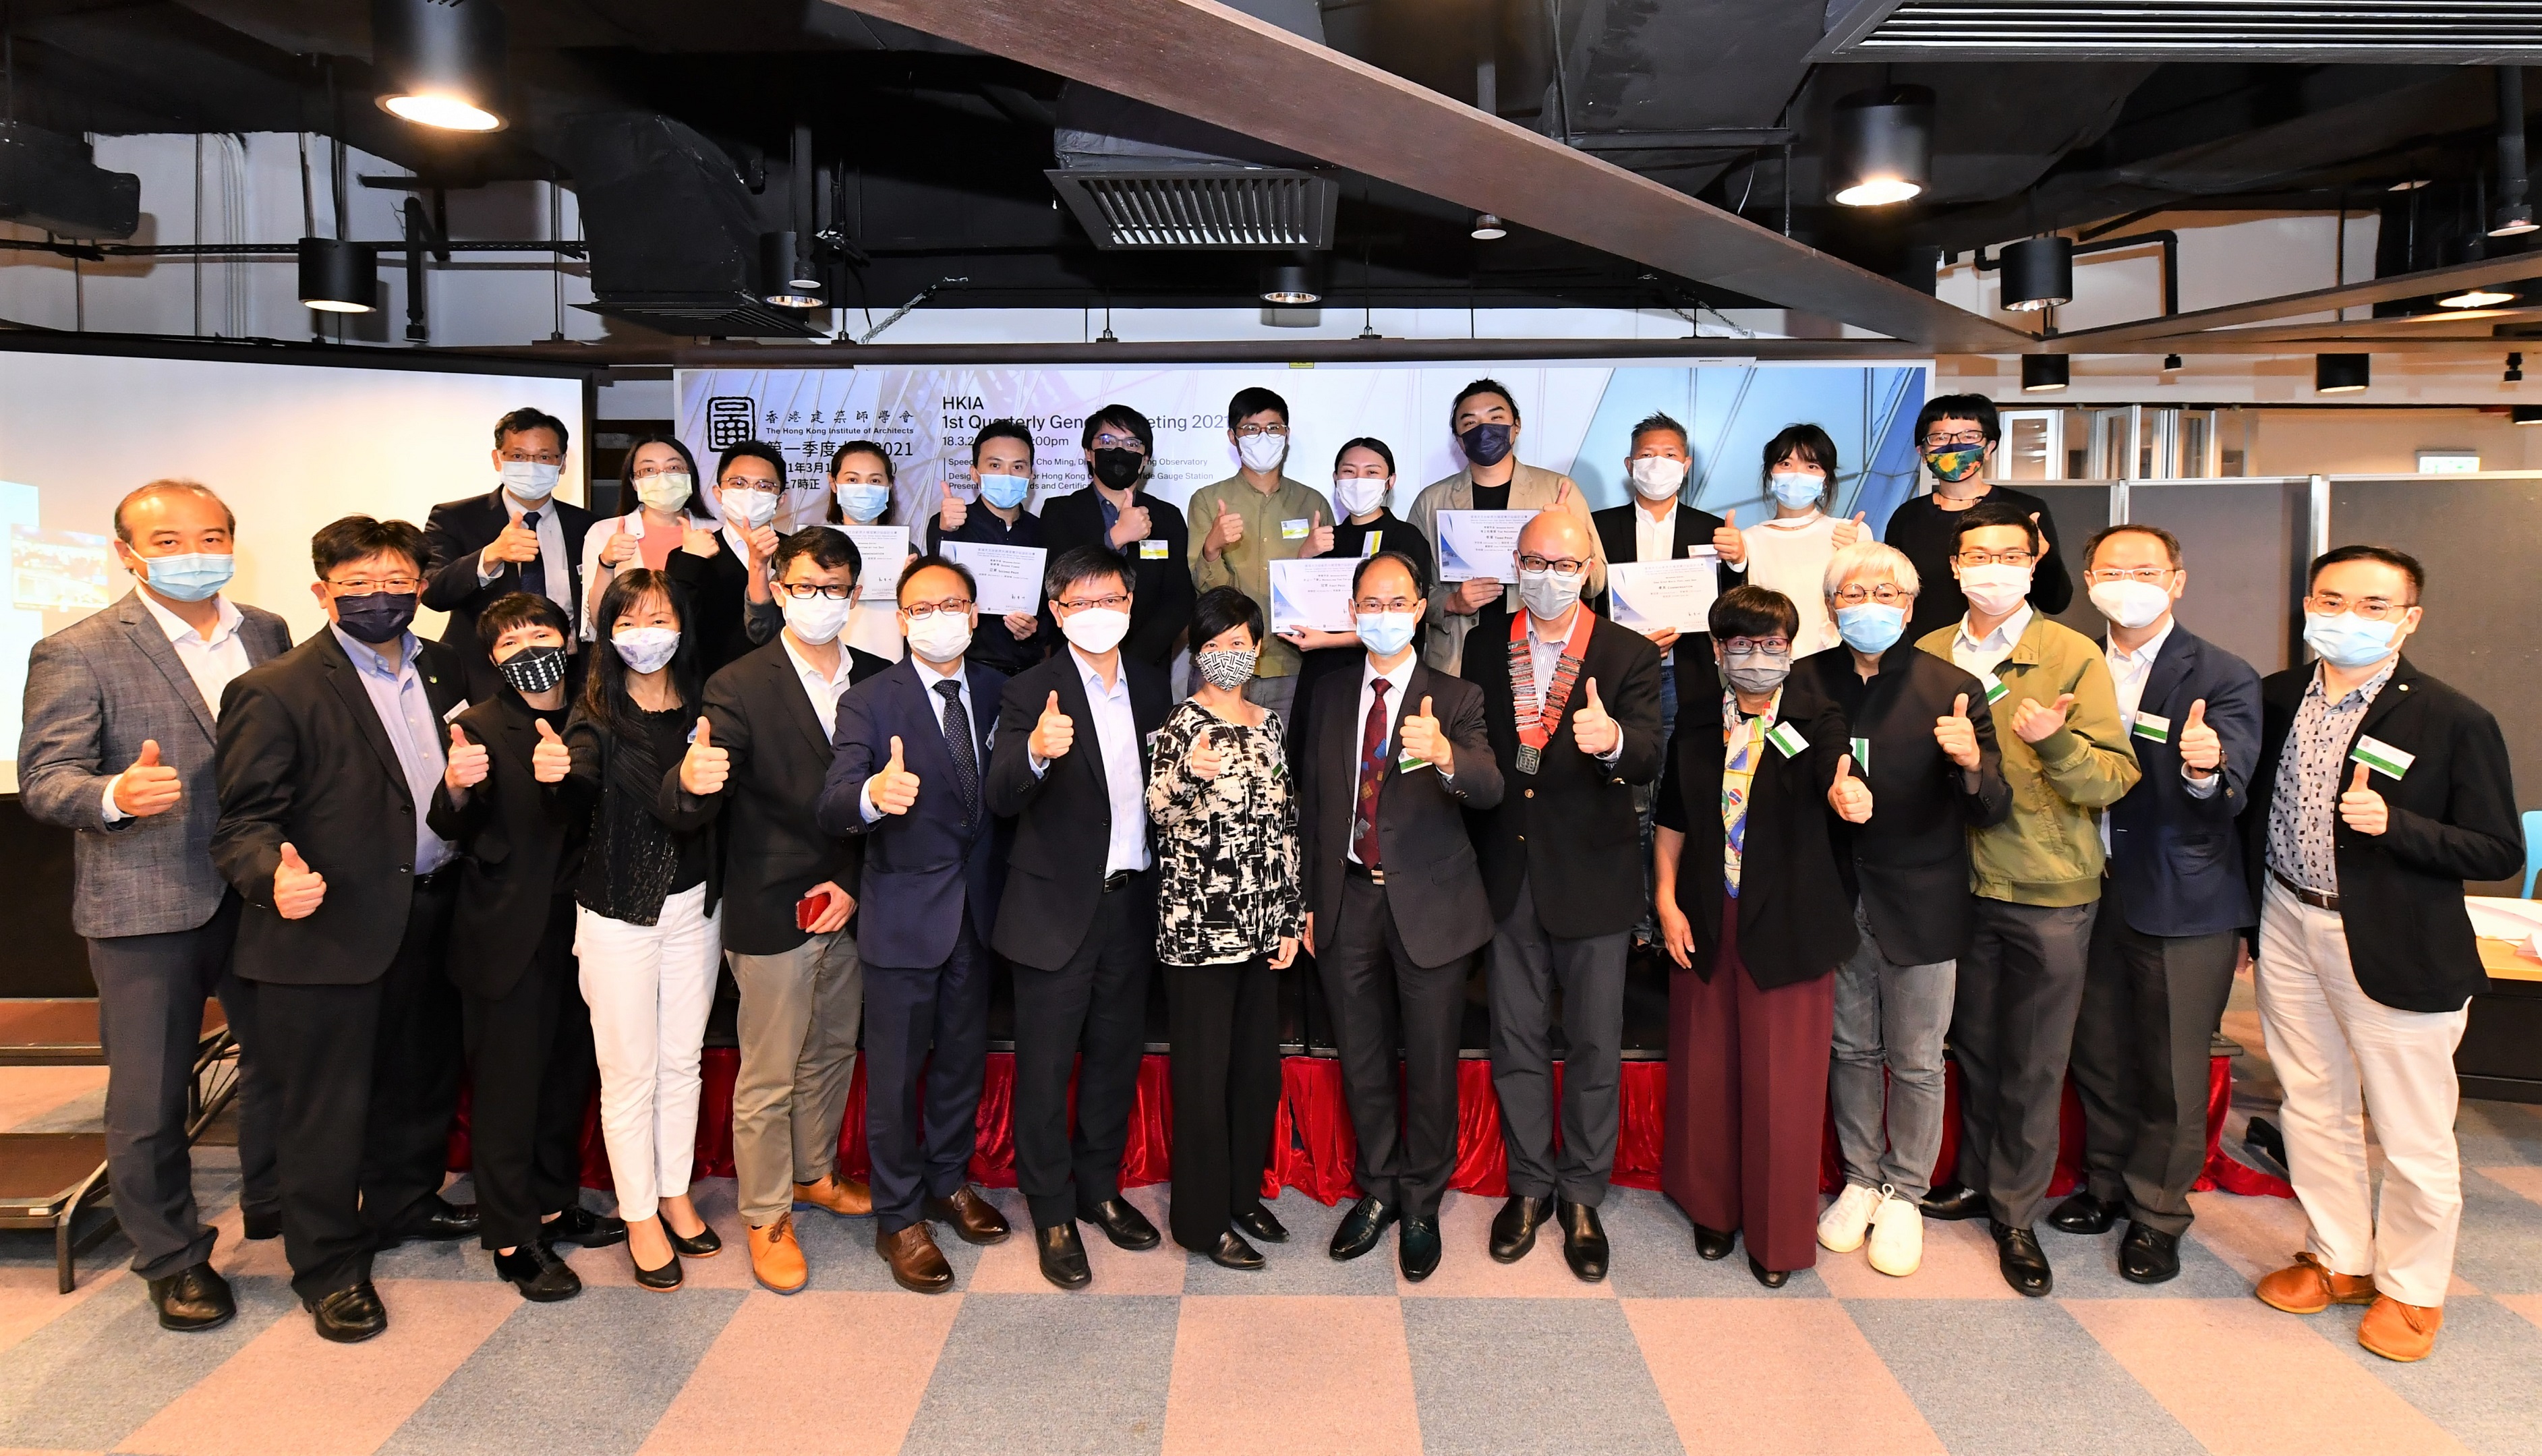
<point x="326" y="760"/>
<point x="1119" y="515"/>
<point x="1253" y="518"/>
<point x="2379" y="792"/>
<point x="1079" y="919"/>
<point x="517" y="539"/>
<point x="2036" y="877"/>
<point x="1957" y="436"/>
<point x="757" y="757"/>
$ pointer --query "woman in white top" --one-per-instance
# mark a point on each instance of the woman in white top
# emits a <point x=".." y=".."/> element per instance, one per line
<point x="1789" y="553"/>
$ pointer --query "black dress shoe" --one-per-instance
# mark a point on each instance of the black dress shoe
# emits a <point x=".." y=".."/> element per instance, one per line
<point x="348" y="1316"/>
<point x="1259" y="1222"/>
<point x="441" y="1220"/>
<point x="1772" y="1278"/>
<point x="1584" y="1242"/>
<point x="2023" y="1262"/>
<point x="665" y="1278"/>
<point x="1954" y="1201"/>
<point x="705" y="1244"/>
<point x="2149" y="1256"/>
<point x="260" y="1227"/>
<point x="1063" y="1255"/>
<point x="1712" y="1243"/>
<point x="584" y="1229"/>
<point x="539" y="1275"/>
<point x="1123" y="1223"/>
<point x="1231" y="1252"/>
<point x="1514" y="1227"/>
<point x="1416" y="1248"/>
<point x="2085" y="1214"/>
<point x="1364" y="1224"/>
<point x="196" y="1297"/>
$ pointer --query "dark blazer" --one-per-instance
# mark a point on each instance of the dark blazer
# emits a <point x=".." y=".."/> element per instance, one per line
<point x="96" y="690"/>
<point x="2178" y="858"/>
<point x="1569" y="830"/>
<point x="1434" y="885"/>
<point x="1064" y="817"/>
<point x="2453" y="819"/>
<point x="1910" y="863"/>
<point x="1794" y="922"/>
<point x="773" y="853"/>
<point x="453" y="535"/>
<point x="1161" y="599"/>
<point x="922" y="868"/>
<point x="719" y="593"/>
<point x="995" y="647"/>
<point x="1620" y="537"/>
<point x="520" y="845"/>
<point x="303" y="759"/>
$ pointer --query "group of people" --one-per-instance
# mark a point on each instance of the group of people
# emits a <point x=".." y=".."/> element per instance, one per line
<point x="1882" y="804"/>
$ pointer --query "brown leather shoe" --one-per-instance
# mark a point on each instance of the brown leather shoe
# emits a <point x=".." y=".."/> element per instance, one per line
<point x="2307" y="1286"/>
<point x="974" y="1217"/>
<point x="775" y="1260"/>
<point x="2399" y="1332"/>
<point x="917" y="1265"/>
<point x="847" y="1198"/>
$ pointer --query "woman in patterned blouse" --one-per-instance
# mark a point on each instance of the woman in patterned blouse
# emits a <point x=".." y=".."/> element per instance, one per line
<point x="1227" y="911"/>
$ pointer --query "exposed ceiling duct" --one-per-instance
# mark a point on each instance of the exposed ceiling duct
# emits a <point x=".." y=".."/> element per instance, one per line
<point x="703" y="276"/>
<point x="2420" y="31"/>
<point x="50" y="182"/>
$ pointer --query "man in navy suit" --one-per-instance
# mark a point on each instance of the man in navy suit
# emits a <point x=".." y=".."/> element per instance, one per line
<point x="907" y="771"/>
<point x="517" y="539"/>
<point x="2172" y="911"/>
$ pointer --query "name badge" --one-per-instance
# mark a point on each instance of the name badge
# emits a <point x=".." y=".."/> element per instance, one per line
<point x="1408" y="763"/>
<point x="1862" y="756"/>
<point x="1373" y="545"/>
<point x="1152" y="550"/>
<point x="1994" y="689"/>
<point x="2152" y="726"/>
<point x="1788" y="740"/>
<point x="1292" y="531"/>
<point x="2381" y="757"/>
<point x="452" y="716"/>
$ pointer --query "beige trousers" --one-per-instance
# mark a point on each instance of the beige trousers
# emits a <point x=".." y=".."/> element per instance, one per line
<point x="799" y="1013"/>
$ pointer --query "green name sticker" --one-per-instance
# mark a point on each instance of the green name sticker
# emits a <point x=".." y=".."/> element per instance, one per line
<point x="1995" y="690"/>
<point x="1788" y="740"/>
<point x="1862" y="756"/>
<point x="2152" y="726"/>
<point x="2381" y="757"/>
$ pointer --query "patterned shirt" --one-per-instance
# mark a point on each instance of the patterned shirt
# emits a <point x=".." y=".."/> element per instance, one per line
<point x="1229" y="887"/>
<point x="1742" y="742"/>
<point x="2309" y="781"/>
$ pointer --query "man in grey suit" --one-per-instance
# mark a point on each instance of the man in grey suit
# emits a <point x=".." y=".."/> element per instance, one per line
<point x="118" y="745"/>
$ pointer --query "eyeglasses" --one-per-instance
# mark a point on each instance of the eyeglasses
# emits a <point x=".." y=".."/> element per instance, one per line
<point x="363" y="586"/>
<point x="1374" y="604"/>
<point x="1961" y="441"/>
<point x="1249" y="431"/>
<point x="1131" y="443"/>
<point x="1770" y="646"/>
<point x="1566" y="565"/>
<point x="2371" y="609"/>
<point x="649" y="472"/>
<point x="920" y="610"/>
<point x="764" y="488"/>
<point x="804" y="591"/>
<point x="2013" y="556"/>
<point x="2149" y="575"/>
<point x="1114" y="602"/>
<point x="1886" y="594"/>
<point x="534" y="457"/>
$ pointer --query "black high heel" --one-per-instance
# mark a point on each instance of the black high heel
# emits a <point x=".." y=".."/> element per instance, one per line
<point x="665" y="1278"/>
<point x="705" y="1246"/>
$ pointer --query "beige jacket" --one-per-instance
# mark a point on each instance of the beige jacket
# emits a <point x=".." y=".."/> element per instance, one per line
<point x="1531" y="490"/>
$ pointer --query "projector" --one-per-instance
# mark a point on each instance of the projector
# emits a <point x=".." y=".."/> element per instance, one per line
<point x="48" y="180"/>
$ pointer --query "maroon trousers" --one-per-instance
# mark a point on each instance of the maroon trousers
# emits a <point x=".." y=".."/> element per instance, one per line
<point x="1747" y="1102"/>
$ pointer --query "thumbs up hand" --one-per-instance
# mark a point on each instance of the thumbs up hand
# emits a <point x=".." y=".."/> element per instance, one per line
<point x="298" y="890"/>
<point x="517" y="543"/>
<point x="149" y="786"/>
<point x="1846" y="533"/>
<point x="2201" y="751"/>
<point x="1053" y="733"/>
<point x="1418" y="735"/>
<point x="1848" y="796"/>
<point x="551" y="761"/>
<point x="1956" y="735"/>
<point x="2361" y="809"/>
<point x="893" y="790"/>
<point x="1225" y="531"/>
<point x="1726" y="540"/>
<point x="704" y="768"/>
<point x="1207" y="760"/>
<point x="1591" y="728"/>
<point x="952" y="511"/>
<point x="2034" y="722"/>
<point x="1320" y="539"/>
<point x="465" y="766"/>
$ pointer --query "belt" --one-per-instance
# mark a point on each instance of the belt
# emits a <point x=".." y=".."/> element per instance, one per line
<point x="1360" y="871"/>
<point x="2313" y="898"/>
<point x="1118" y="880"/>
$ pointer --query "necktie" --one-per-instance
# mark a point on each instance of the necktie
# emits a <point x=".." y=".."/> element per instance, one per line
<point x="534" y="571"/>
<point x="966" y="757"/>
<point x="1371" y="776"/>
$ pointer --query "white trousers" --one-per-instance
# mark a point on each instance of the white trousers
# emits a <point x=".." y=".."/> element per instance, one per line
<point x="2342" y="1055"/>
<point x="649" y="988"/>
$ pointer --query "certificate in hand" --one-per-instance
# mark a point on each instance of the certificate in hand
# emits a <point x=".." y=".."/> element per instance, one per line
<point x="1313" y="593"/>
<point x="1648" y="595"/>
<point x="1009" y="577"/>
<point x="1480" y="545"/>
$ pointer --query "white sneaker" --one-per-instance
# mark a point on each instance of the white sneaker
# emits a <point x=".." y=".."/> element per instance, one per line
<point x="1897" y="1236"/>
<point x="1841" y="1227"/>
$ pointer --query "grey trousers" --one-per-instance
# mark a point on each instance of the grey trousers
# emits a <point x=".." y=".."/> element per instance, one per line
<point x="150" y="995"/>
<point x="2151" y="1005"/>
<point x="1889" y="1017"/>
<point x="1528" y="966"/>
<point x="2012" y="1024"/>
<point x="798" y="1024"/>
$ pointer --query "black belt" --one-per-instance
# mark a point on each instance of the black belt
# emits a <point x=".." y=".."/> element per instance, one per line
<point x="1118" y="880"/>
<point x="1360" y="871"/>
<point x="2313" y="898"/>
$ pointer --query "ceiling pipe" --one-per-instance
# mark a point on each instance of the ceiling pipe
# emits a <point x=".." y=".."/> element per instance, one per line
<point x="2514" y="214"/>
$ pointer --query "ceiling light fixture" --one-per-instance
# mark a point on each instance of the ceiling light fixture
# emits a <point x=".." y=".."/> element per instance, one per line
<point x="2475" y="297"/>
<point x="1290" y="285"/>
<point x="2045" y="373"/>
<point x="2171" y="362"/>
<point x="440" y="62"/>
<point x="339" y="277"/>
<point x="2515" y="215"/>
<point x="2410" y="184"/>
<point x="2525" y="414"/>
<point x="2341" y="374"/>
<point x="1882" y="150"/>
<point x="1488" y="228"/>
<point x="791" y="280"/>
<point x="2038" y="274"/>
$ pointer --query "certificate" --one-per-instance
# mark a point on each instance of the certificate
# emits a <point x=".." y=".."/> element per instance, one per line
<point x="1314" y="593"/>
<point x="1009" y="577"/>
<point x="1650" y="595"/>
<point x="1480" y="545"/>
<point x="880" y="551"/>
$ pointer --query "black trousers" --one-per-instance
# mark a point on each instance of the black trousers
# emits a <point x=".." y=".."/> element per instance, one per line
<point x="368" y="1077"/>
<point x="1226" y="1021"/>
<point x="1378" y="994"/>
<point x="1094" y="1008"/>
<point x="926" y="1053"/>
<point x="2013" y="1006"/>
<point x="150" y="995"/>
<point x="530" y="1069"/>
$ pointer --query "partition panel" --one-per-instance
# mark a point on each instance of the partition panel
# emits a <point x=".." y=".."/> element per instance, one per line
<point x="2078" y="510"/>
<point x="2244" y="543"/>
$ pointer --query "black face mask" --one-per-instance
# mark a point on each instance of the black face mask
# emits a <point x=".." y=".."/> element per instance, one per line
<point x="377" y="617"/>
<point x="1486" y="444"/>
<point x="1118" y="468"/>
<point x="533" y="669"/>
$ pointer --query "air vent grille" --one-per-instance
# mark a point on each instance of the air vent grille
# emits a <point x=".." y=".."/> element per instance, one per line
<point x="712" y="315"/>
<point x="2453" y="32"/>
<point x="1200" y="207"/>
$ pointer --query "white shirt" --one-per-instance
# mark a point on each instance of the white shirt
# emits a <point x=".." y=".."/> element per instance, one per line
<point x="1979" y="657"/>
<point x="1125" y="783"/>
<point x="559" y="585"/>
<point x="928" y="675"/>
<point x="1399" y="682"/>
<point x="1654" y="539"/>
<point x="2128" y="672"/>
<point x="1790" y="556"/>
<point x="211" y="664"/>
<point x="824" y="689"/>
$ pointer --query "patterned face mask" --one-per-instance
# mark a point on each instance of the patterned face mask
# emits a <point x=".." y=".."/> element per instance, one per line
<point x="533" y="669"/>
<point x="1227" y="667"/>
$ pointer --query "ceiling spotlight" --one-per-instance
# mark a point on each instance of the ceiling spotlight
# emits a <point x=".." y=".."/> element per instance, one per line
<point x="339" y="277"/>
<point x="2410" y="184"/>
<point x="2171" y="362"/>
<point x="2043" y="373"/>
<point x="1290" y="284"/>
<point x="440" y="62"/>
<point x="1488" y="228"/>
<point x="791" y="280"/>
<point x="2475" y="297"/>
<point x="2525" y="414"/>
<point x="2341" y="374"/>
<point x="1882" y="151"/>
<point x="2514" y="370"/>
<point x="2038" y="274"/>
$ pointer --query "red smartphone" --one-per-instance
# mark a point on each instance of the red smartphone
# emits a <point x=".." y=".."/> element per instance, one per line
<point x="809" y="909"/>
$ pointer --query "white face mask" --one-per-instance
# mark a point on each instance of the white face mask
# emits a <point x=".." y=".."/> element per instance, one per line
<point x="2131" y="604"/>
<point x="1798" y="490"/>
<point x="941" y="637"/>
<point x="1096" y="629"/>
<point x="752" y="508"/>
<point x="815" y="620"/>
<point x="1548" y="594"/>
<point x="665" y="492"/>
<point x="645" y="650"/>
<point x="1656" y="476"/>
<point x="1357" y="495"/>
<point x="528" y="479"/>
<point x="1262" y="451"/>
<point x="1994" y="589"/>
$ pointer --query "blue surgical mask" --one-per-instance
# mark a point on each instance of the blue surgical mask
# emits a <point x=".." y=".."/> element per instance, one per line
<point x="191" y="576"/>
<point x="865" y="504"/>
<point x="2349" y="640"/>
<point x="1385" y="633"/>
<point x="1005" y="493"/>
<point x="1870" y="627"/>
<point x="1798" y="490"/>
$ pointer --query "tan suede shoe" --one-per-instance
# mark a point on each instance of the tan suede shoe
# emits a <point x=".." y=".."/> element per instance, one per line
<point x="847" y="1198"/>
<point x="775" y="1260"/>
<point x="2399" y="1332"/>
<point x="2307" y="1286"/>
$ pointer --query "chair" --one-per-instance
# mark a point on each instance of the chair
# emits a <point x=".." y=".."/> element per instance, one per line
<point x="2532" y="848"/>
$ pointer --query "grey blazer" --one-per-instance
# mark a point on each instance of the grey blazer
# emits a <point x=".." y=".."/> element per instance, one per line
<point x="95" y="690"/>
